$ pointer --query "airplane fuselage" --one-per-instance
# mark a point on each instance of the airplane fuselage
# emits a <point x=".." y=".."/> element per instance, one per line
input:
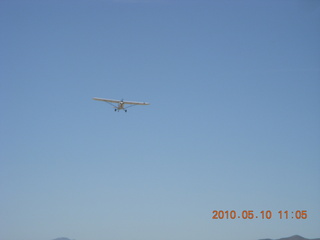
<point x="120" y="106"/>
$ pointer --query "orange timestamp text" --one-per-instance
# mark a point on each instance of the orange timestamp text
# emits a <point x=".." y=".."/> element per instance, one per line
<point x="268" y="214"/>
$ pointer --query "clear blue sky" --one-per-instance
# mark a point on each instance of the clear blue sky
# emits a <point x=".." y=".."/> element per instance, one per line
<point x="234" y="120"/>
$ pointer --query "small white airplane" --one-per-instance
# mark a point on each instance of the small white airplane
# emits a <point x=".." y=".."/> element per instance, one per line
<point x="120" y="103"/>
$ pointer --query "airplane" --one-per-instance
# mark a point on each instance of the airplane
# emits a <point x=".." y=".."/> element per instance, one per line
<point x="120" y="103"/>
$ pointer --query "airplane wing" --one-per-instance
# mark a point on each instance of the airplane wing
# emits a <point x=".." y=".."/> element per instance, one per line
<point x="136" y="103"/>
<point x="106" y="100"/>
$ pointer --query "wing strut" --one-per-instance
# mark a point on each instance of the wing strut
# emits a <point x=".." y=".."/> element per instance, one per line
<point x="111" y="104"/>
<point x="132" y="105"/>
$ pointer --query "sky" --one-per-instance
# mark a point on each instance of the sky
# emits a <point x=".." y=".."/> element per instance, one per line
<point x="233" y="122"/>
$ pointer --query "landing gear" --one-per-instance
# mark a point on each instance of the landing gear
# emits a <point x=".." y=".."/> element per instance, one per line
<point x="125" y="110"/>
<point x="115" y="110"/>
